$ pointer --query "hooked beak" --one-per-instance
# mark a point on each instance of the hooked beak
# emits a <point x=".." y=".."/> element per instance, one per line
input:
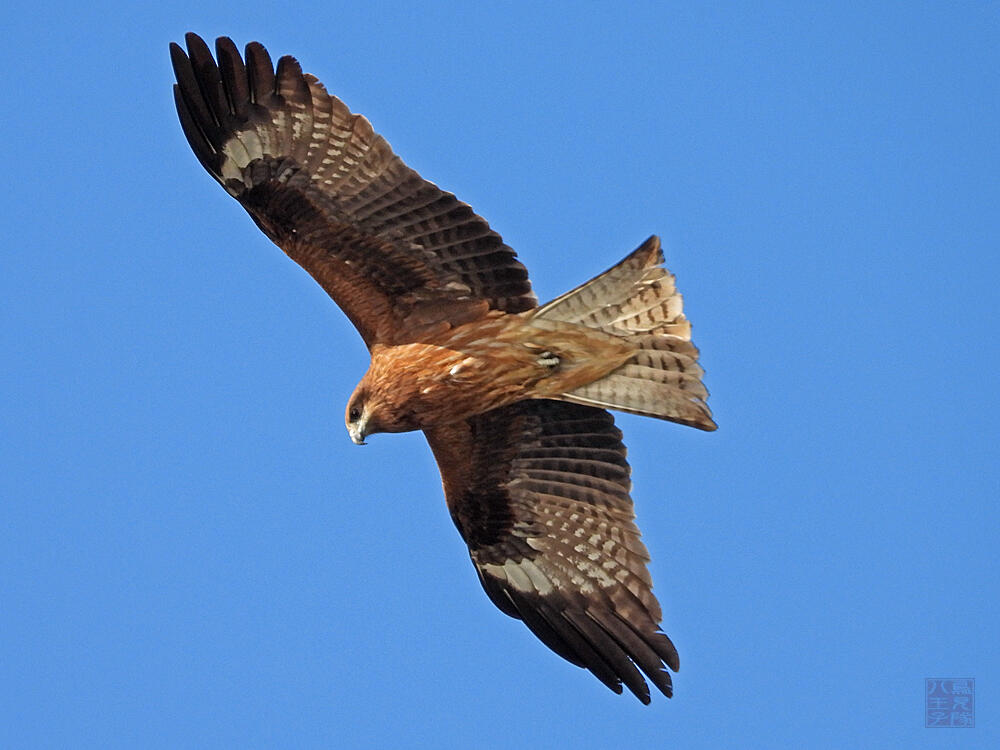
<point x="357" y="431"/>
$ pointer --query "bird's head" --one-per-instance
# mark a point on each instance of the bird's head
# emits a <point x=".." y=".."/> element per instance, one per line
<point x="372" y="409"/>
<point x="359" y="415"/>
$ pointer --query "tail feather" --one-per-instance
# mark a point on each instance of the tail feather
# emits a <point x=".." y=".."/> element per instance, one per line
<point x="656" y="303"/>
<point x="691" y="385"/>
<point x="644" y="397"/>
<point x="637" y="300"/>
<point x="609" y="288"/>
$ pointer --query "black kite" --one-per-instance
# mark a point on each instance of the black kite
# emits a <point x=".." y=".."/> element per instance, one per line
<point x="511" y="395"/>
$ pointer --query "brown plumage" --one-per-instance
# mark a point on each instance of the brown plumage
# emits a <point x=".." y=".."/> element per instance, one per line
<point x="510" y="395"/>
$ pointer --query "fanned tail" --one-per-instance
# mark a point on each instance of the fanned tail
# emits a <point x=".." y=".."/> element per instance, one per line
<point x="638" y="300"/>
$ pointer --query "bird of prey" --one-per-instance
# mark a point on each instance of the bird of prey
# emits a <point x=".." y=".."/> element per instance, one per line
<point x="511" y="395"/>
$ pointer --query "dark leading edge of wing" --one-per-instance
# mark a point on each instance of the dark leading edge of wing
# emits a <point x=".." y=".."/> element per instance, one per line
<point x="387" y="245"/>
<point x="540" y="492"/>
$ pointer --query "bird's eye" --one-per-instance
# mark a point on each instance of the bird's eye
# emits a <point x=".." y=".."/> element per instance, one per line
<point x="355" y="414"/>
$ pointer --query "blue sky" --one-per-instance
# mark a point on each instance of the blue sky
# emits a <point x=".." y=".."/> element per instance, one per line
<point x="194" y="554"/>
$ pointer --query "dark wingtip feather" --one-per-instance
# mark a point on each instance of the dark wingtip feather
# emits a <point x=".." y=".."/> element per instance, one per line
<point x="648" y="656"/>
<point x="198" y="112"/>
<point x="551" y="627"/>
<point x="209" y="80"/>
<point x="667" y="651"/>
<point x="288" y="66"/>
<point x="234" y="76"/>
<point x="197" y="49"/>
<point x="610" y="652"/>
<point x="196" y="138"/>
<point x="191" y="39"/>
<point x="261" y="71"/>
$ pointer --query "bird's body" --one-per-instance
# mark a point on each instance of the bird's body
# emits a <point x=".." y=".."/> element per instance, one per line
<point x="511" y="395"/>
<point x="483" y="365"/>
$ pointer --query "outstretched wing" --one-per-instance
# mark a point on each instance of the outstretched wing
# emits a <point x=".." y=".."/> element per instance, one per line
<point x="393" y="250"/>
<point x="539" y="490"/>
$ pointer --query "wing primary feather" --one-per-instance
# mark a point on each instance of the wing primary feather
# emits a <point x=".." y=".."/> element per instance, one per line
<point x="190" y="91"/>
<point x="545" y="632"/>
<point x="209" y="81"/>
<point x="261" y="73"/>
<point x="659" y="642"/>
<point x="544" y="621"/>
<point x="648" y="660"/>
<point x="289" y="76"/>
<point x="611" y="652"/>
<point x="234" y="76"/>
<point x="196" y="136"/>
<point x="291" y="85"/>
